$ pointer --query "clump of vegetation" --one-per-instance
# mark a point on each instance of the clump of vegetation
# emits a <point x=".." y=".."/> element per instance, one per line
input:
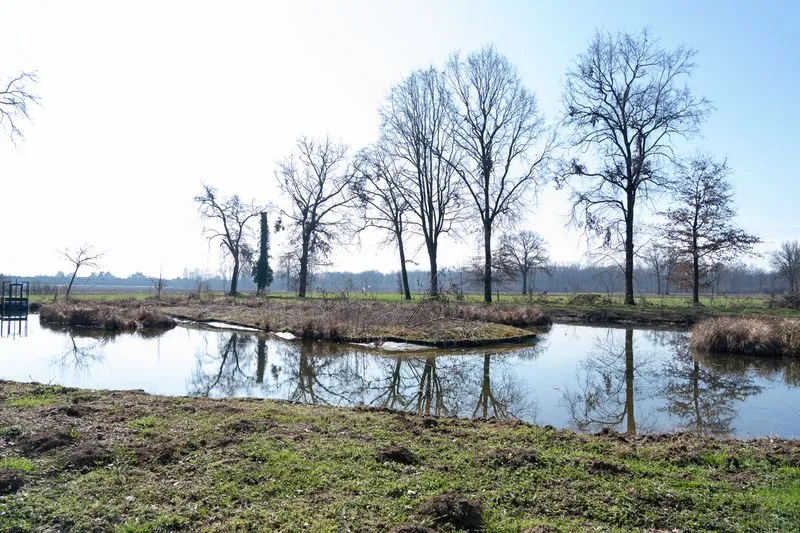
<point x="788" y="301"/>
<point x="104" y="316"/>
<point x="750" y="336"/>
<point x="511" y="315"/>
<point x="590" y="299"/>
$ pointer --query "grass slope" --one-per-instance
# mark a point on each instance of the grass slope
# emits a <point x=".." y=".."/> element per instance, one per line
<point x="127" y="461"/>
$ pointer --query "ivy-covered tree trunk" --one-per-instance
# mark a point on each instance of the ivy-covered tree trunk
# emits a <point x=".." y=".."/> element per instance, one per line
<point x="262" y="272"/>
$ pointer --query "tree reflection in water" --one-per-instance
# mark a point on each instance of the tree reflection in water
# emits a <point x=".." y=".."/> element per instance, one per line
<point x="322" y="373"/>
<point x="702" y="396"/>
<point x="606" y="397"/>
<point x="227" y="369"/>
<point x="505" y="397"/>
<point x="83" y="348"/>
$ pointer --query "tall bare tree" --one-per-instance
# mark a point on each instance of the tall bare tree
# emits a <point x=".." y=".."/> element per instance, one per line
<point x="83" y="255"/>
<point x="786" y="262"/>
<point x="229" y="217"/>
<point x="700" y="225"/>
<point x="15" y="97"/>
<point x="626" y="106"/>
<point x="500" y="132"/>
<point x="523" y="253"/>
<point x="317" y="180"/>
<point x="378" y="189"/>
<point x="416" y="126"/>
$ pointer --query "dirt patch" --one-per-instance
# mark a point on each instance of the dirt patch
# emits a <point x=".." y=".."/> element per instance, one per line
<point x="454" y="509"/>
<point x="10" y="482"/>
<point x="75" y="411"/>
<point x="88" y="455"/>
<point x="44" y="442"/>
<point x="161" y="453"/>
<point x="603" y="468"/>
<point x="243" y="426"/>
<point x="397" y="454"/>
<point x="514" y="458"/>
<point x="411" y="528"/>
<point x="429" y="422"/>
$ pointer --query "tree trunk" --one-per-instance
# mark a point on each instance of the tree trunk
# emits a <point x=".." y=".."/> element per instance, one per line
<point x="629" y="300"/>
<point x="658" y="282"/>
<point x="403" y="271"/>
<point x="69" y="287"/>
<point x="487" y="267"/>
<point x="524" y="282"/>
<point x="695" y="279"/>
<point x="301" y="292"/>
<point x="629" y="407"/>
<point x="303" y="281"/>
<point x="434" y="270"/>
<point x="235" y="276"/>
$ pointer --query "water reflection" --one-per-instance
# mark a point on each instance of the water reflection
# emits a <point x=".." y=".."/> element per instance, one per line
<point x="588" y="378"/>
<point x="605" y="397"/>
<point x="227" y="369"/>
<point x="325" y="374"/>
<point x="700" y="393"/>
<point x="13" y="325"/>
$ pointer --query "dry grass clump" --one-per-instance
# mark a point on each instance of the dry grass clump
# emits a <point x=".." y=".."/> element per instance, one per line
<point x="749" y="336"/>
<point x="516" y="315"/>
<point x="590" y="299"/>
<point x="104" y="317"/>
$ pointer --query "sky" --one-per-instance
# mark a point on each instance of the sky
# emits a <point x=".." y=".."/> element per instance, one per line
<point x="142" y="101"/>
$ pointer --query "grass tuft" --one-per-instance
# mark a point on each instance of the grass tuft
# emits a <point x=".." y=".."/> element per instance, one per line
<point x="750" y="336"/>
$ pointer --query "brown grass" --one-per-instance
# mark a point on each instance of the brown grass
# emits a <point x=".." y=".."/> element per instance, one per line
<point x="104" y="316"/>
<point x="750" y="336"/>
<point x="438" y="323"/>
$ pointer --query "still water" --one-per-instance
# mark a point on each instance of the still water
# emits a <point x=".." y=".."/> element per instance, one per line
<point x="581" y="377"/>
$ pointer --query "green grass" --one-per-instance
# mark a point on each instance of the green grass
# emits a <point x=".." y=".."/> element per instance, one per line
<point x="31" y="401"/>
<point x="233" y="465"/>
<point x="17" y="463"/>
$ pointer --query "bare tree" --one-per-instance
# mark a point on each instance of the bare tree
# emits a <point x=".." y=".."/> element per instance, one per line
<point x="317" y="180"/>
<point x="497" y="126"/>
<point x="699" y="226"/>
<point x="83" y="255"/>
<point x="230" y="217"/>
<point x="523" y="253"/>
<point x="626" y="106"/>
<point x="786" y="262"/>
<point x="416" y="126"/>
<point x="661" y="257"/>
<point x="378" y="188"/>
<point x="15" y="97"/>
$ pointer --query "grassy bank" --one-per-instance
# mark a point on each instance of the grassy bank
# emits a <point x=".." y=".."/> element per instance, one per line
<point x="126" y="461"/>
<point x="769" y="336"/>
<point x="430" y="322"/>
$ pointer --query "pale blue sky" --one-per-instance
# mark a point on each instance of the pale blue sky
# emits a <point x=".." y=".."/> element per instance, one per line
<point x="142" y="100"/>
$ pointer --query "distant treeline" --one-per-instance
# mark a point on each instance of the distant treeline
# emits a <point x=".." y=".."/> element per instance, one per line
<point x="567" y="278"/>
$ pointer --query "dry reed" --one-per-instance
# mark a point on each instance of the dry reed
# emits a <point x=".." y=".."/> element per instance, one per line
<point x="750" y="336"/>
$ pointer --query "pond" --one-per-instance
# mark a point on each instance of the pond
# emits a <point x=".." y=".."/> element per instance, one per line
<point x="581" y="377"/>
